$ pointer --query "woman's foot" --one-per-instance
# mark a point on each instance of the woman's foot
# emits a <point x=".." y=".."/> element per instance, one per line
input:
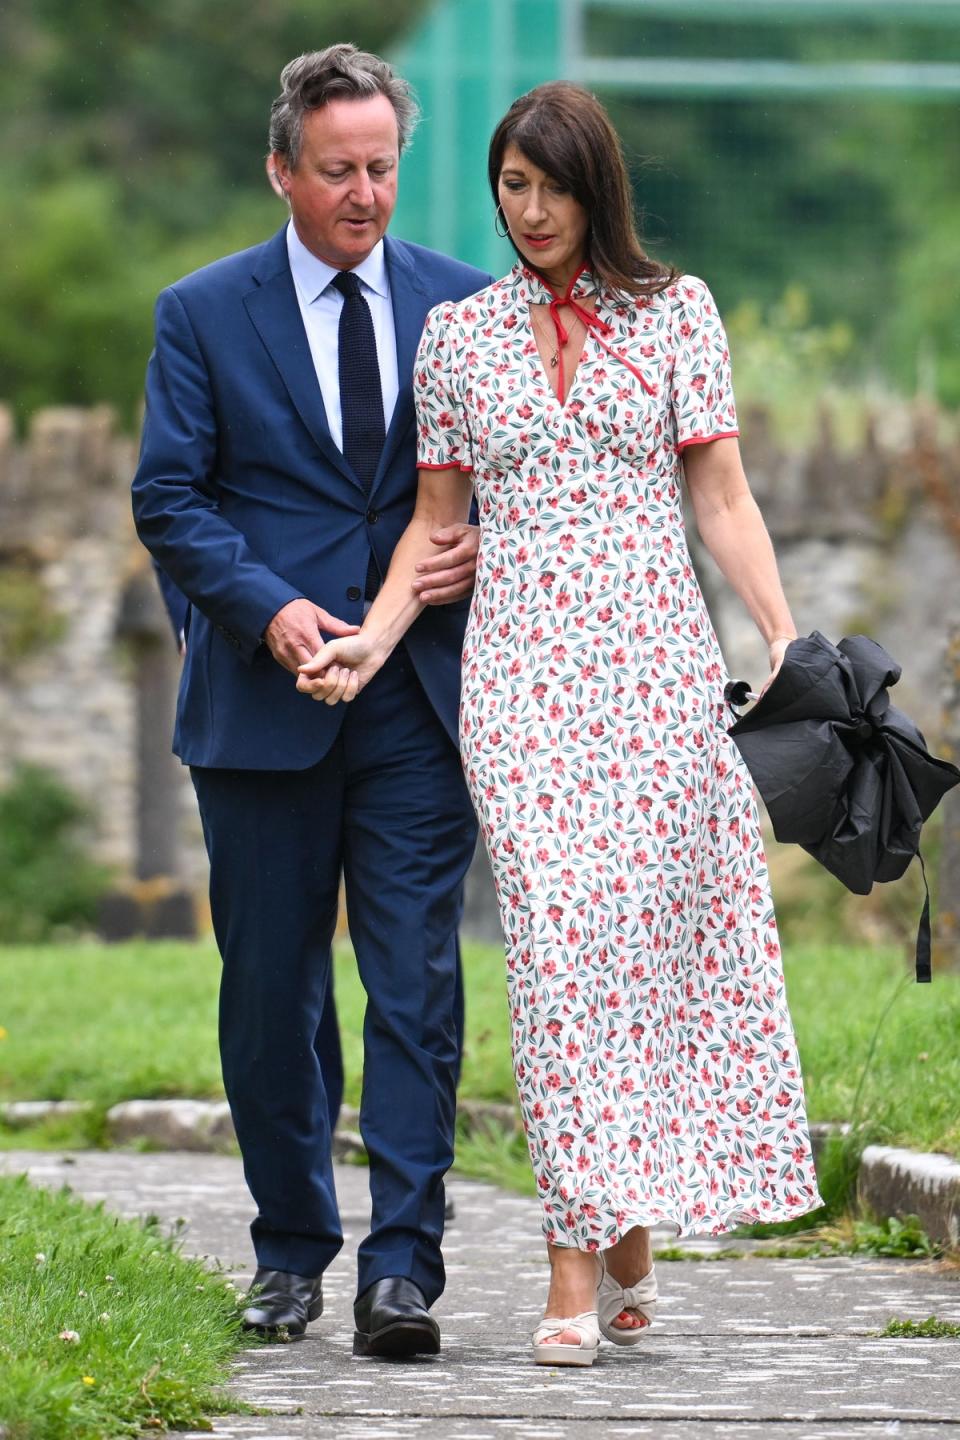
<point x="573" y="1290"/>
<point x="629" y="1263"/>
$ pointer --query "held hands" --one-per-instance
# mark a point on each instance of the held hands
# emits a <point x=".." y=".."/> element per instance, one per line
<point x="340" y="669"/>
<point x="295" y="632"/>
<point x="450" y="574"/>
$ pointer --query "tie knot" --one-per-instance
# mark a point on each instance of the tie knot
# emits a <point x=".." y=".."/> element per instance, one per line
<point x="347" y="283"/>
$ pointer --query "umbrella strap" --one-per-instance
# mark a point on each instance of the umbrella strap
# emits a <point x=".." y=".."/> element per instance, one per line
<point x="923" y="932"/>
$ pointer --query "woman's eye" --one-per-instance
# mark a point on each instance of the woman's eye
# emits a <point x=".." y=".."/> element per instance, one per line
<point x="513" y="185"/>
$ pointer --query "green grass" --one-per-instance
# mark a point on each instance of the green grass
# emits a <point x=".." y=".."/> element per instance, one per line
<point x="104" y="1328"/>
<point x="139" y="1021"/>
<point x="930" y="1329"/>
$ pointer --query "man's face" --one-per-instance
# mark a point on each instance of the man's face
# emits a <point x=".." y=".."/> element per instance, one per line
<point x="343" y="189"/>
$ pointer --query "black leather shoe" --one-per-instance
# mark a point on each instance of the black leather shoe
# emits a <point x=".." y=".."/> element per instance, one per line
<point x="393" y="1321"/>
<point x="283" y="1302"/>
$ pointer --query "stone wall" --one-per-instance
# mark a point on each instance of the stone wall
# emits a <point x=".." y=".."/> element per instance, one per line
<point x="862" y="546"/>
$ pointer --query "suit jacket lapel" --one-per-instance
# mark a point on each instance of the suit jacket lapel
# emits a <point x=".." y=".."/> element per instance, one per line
<point x="410" y="303"/>
<point x="275" y="312"/>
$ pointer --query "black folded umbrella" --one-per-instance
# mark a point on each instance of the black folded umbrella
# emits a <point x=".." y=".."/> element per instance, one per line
<point x="842" y="771"/>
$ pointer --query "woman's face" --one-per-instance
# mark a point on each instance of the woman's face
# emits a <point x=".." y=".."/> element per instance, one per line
<point x="546" y="224"/>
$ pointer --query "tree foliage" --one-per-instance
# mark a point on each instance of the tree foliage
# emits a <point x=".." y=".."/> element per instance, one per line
<point x="135" y="140"/>
<point x="136" y="132"/>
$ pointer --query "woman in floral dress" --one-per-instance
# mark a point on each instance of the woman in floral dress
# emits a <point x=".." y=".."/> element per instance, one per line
<point x="653" y="1049"/>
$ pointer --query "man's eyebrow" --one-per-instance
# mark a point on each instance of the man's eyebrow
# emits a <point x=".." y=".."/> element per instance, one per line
<point x="330" y="160"/>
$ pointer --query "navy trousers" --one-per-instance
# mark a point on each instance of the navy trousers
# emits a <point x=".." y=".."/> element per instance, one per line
<point x="388" y="805"/>
<point x="330" y="1052"/>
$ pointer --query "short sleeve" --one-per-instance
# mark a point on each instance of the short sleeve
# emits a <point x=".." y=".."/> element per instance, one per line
<point x="443" y="437"/>
<point x="702" y="385"/>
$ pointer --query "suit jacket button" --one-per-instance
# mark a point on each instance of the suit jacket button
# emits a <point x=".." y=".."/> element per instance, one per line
<point x="353" y="592"/>
<point x="372" y="517"/>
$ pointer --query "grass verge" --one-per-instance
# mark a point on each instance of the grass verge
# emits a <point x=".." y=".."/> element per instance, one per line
<point x="139" y="1021"/>
<point x="104" y="1328"/>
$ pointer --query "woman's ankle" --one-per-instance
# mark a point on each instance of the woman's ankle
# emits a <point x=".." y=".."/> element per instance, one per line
<point x="573" y="1273"/>
<point x="632" y="1256"/>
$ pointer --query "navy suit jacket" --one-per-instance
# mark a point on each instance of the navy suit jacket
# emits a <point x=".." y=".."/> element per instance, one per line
<point x="246" y="503"/>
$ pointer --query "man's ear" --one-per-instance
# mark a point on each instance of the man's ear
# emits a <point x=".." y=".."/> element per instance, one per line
<point x="277" y="176"/>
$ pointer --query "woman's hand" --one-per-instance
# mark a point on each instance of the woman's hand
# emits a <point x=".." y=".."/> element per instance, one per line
<point x="340" y="669"/>
<point x="777" y="649"/>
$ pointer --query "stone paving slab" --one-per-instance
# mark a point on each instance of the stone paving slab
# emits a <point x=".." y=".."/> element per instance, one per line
<point x="753" y="1347"/>
<point x="377" y="1426"/>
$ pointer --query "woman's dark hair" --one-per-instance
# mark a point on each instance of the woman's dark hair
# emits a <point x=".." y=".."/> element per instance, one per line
<point x="565" y="131"/>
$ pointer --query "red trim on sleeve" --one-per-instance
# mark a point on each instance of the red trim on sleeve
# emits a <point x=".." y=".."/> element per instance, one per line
<point x="450" y="465"/>
<point x="705" y="439"/>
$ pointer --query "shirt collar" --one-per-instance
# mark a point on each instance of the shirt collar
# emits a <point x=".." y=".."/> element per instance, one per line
<point x="312" y="275"/>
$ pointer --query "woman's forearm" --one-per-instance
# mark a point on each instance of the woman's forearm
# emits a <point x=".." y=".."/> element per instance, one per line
<point x="443" y="499"/>
<point x="736" y="537"/>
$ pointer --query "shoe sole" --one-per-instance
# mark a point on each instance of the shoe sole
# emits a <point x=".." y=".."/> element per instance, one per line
<point x="565" y="1355"/>
<point x="397" y="1341"/>
<point x="625" y="1337"/>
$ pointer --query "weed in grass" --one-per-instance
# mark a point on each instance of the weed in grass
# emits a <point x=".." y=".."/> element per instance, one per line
<point x="104" y="1329"/>
<point x="901" y="1239"/>
<point x="930" y="1329"/>
<point x="678" y="1252"/>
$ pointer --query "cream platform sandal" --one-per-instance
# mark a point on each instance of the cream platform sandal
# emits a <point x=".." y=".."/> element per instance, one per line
<point x="554" y="1353"/>
<point x="612" y="1297"/>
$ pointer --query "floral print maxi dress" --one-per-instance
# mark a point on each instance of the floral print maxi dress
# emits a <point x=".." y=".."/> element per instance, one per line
<point x="653" y="1050"/>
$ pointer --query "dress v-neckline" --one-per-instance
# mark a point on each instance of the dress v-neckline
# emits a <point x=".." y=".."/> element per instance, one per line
<point x="534" y="292"/>
<point x="542" y="366"/>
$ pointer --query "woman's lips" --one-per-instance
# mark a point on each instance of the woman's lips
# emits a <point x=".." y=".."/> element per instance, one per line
<point x="538" y="241"/>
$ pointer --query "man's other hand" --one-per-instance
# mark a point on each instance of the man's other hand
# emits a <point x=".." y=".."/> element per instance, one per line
<point x="450" y="574"/>
<point x="298" y="631"/>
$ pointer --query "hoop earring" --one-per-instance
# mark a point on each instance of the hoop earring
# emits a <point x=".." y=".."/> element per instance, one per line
<point x="498" y="215"/>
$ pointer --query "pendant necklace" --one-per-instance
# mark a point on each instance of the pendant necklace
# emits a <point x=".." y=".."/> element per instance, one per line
<point x="555" y="357"/>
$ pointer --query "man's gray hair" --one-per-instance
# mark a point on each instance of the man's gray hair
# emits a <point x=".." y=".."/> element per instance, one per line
<point x="341" y="72"/>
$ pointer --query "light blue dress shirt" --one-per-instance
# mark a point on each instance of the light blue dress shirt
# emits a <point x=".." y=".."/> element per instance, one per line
<point x="320" y="307"/>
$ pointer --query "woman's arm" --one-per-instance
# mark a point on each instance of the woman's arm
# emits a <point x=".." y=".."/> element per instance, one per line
<point x="341" y="668"/>
<point x="731" y="526"/>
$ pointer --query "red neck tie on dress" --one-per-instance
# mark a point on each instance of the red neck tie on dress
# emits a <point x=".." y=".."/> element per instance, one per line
<point x="593" y="322"/>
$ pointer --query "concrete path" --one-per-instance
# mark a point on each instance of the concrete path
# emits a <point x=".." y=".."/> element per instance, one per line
<point x="748" y="1348"/>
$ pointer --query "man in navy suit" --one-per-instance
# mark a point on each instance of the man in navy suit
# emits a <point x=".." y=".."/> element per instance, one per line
<point x="277" y="472"/>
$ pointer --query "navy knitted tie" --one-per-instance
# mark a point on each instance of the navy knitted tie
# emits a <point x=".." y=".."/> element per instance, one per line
<point x="361" y="398"/>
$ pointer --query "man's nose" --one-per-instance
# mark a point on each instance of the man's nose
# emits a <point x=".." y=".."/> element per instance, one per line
<point x="362" y="190"/>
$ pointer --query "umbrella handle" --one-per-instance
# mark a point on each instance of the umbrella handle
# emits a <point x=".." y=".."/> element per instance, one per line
<point x="737" y="692"/>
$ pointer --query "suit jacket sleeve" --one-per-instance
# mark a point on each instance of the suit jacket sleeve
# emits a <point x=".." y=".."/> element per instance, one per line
<point x="175" y="602"/>
<point x="175" y="502"/>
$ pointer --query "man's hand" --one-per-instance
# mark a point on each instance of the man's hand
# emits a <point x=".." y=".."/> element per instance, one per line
<point x="295" y="633"/>
<point x="450" y="574"/>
